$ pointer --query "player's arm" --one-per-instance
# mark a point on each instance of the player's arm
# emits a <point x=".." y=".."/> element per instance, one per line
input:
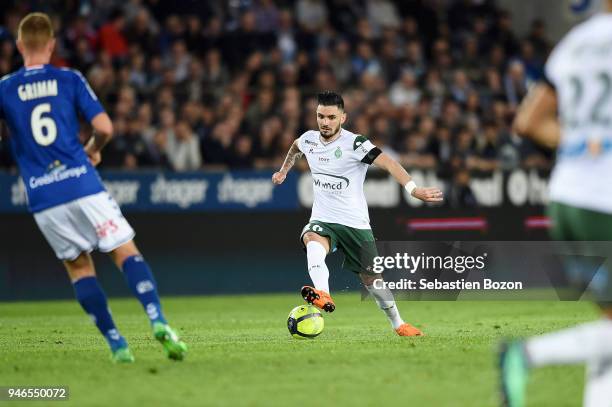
<point x="292" y="156"/>
<point x="102" y="133"/>
<point x="91" y="109"/>
<point x="398" y="172"/>
<point x="537" y="116"/>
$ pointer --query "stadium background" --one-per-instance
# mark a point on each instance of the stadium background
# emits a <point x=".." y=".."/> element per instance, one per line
<point x="206" y="98"/>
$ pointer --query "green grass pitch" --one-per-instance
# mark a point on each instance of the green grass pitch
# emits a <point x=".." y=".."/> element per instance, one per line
<point x="242" y="355"/>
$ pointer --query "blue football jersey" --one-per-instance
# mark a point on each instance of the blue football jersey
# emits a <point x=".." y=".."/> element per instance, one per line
<point x="40" y="105"/>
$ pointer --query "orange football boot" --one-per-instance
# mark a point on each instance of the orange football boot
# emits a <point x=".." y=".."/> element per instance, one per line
<point x="408" y="330"/>
<point x="318" y="298"/>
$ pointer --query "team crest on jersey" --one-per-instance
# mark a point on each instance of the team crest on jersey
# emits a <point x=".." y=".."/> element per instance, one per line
<point x="55" y="166"/>
<point x="338" y="153"/>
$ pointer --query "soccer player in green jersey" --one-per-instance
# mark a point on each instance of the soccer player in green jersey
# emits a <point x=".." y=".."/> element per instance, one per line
<point x="338" y="161"/>
<point x="571" y="110"/>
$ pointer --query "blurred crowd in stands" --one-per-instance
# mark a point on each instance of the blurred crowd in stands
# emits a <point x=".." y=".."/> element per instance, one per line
<point x="230" y="84"/>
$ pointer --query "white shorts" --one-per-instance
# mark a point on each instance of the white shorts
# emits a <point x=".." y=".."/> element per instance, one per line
<point x="88" y="223"/>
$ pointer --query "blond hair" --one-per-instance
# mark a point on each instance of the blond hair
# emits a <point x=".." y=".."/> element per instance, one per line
<point x="35" y="31"/>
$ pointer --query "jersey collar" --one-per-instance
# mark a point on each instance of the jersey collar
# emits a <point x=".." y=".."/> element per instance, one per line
<point x="331" y="142"/>
<point x="34" y="67"/>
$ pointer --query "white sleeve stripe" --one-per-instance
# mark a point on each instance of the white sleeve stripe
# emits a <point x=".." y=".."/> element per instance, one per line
<point x="82" y="78"/>
<point x="8" y="76"/>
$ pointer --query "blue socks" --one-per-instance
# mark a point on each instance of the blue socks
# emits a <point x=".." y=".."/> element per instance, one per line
<point x="93" y="300"/>
<point x="141" y="282"/>
<point x="91" y="297"/>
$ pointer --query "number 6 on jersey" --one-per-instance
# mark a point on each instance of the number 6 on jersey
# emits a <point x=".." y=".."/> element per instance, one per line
<point x="41" y="125"/>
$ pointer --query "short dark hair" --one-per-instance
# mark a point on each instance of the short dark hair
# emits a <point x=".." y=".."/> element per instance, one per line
<point x="330" y="98"/>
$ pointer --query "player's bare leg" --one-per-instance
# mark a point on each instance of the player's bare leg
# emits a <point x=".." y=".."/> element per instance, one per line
<point x="317" y="247"/>
<point x="93" y="300"/>
<point x="80" y="267"/>
<point x="386" y="302"/>
<point x="139" y="277"/>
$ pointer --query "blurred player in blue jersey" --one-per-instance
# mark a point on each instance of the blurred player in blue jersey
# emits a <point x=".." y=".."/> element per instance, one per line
<point x="40" y="104"/>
